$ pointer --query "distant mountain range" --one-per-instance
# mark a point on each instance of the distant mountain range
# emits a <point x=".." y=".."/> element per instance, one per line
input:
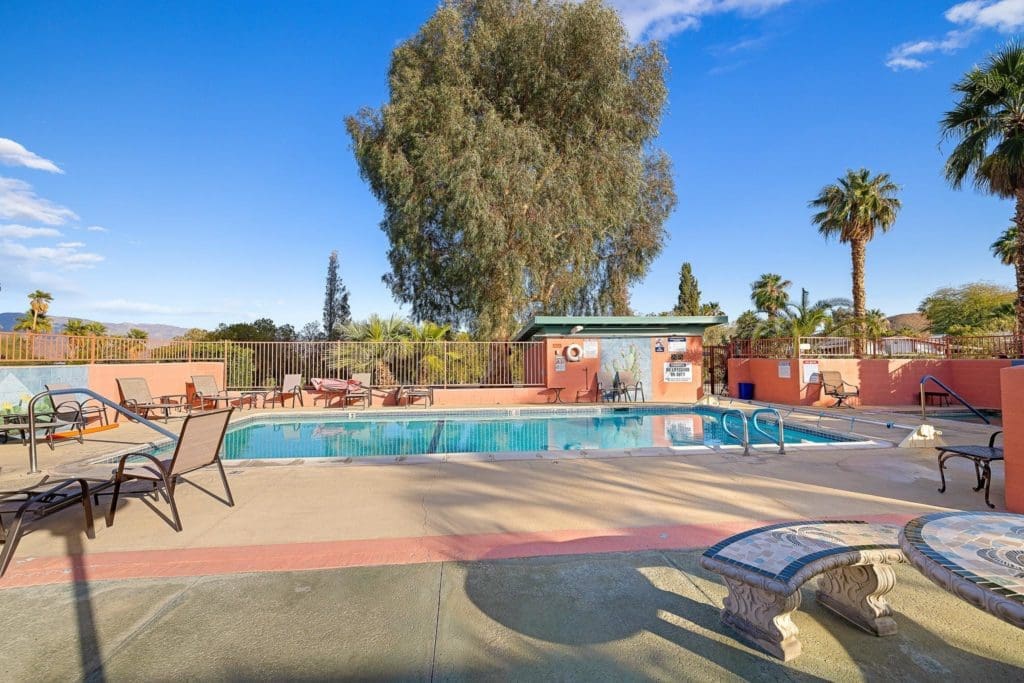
<point x="155" y="331"/>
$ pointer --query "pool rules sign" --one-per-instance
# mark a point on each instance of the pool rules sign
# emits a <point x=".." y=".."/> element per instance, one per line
<point x="678" y="371"/>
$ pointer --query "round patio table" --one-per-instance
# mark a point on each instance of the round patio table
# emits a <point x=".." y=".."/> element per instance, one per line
<point x="976" y="556"/>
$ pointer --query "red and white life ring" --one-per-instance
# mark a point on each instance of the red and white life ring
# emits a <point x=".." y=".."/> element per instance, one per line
<point x="573" y="353"/>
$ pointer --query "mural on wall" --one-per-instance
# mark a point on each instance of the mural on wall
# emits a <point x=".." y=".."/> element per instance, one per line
<point x="630" y="355"/>
<point x="18" y="385"/>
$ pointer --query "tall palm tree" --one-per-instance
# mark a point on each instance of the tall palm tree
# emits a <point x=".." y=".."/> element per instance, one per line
<point x="987" y="124"/>
<point x="39" y="304"/>
<point x="769" y="294"/>
<point x="1005" y="248"/>
<point x="852" y="209"/>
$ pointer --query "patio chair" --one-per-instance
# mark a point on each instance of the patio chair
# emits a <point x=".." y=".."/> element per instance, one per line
<point x="607" y="388"/>
<point x="981" y="456"/>
<point x="202" y="436"/>
<point x="32" y="504"/>
<point x="135" y="396"/>
<point x="207" y="391"/>
<point x="832" y="384"/>
<point x="359" y="389"/>
<point x="628" y="383"/>
<point x="290" y="387"/>
<point x="86" y="409"/>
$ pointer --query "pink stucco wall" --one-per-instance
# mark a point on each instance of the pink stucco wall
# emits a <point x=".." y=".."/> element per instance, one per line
<point x="163" y="378"/>
<point x="882" y="382"/>
<point x="1013" y="435"/>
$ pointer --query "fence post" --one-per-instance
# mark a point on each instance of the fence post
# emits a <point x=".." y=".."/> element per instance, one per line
<point x="225" y="385"/>
<point x="92" y="349"/>
<point x="190" y="343"/>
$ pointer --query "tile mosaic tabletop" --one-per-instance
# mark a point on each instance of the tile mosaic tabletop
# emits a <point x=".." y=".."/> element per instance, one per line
<point x="985" y="548"/>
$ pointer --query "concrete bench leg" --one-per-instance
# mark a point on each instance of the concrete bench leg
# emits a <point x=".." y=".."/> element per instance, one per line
<point x="858" y="595"/>
<point x="762" y="618"/>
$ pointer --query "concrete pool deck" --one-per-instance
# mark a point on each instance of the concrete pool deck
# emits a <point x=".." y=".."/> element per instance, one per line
<point x="571" y="568"/>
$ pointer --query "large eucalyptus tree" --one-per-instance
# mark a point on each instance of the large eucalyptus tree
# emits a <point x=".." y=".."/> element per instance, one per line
<point x="515" y="164"/>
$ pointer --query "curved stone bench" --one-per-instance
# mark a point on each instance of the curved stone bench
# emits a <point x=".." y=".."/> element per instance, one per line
<point x="764" y="569"/>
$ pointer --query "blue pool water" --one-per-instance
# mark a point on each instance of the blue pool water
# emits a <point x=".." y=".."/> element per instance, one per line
<point x="530" y="430"/>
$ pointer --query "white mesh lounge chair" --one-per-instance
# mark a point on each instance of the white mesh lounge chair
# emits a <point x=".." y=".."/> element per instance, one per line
<point x="135" y="396"/>
<point x="202" y="436"/>
<point x="291" y="388"/>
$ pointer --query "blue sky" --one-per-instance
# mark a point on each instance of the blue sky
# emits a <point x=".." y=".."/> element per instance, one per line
<point x="187" y="162"/>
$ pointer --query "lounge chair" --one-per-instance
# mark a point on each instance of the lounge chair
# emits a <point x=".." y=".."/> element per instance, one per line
<point x="85" y="410"/>
<point x="207" y="391"/>
<point x="29" y="505"/>
<point x="981" y="456"/>
<point x="628" y="383"/>
<point x="202" y="436"/>
<point x="328" y="389"/>
<point x="832" y="384"/>
<point x="135" y="396"/>
<point x="291" y="387"/>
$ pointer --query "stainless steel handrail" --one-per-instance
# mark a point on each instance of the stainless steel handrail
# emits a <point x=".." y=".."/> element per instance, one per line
<point x="746" y="433"/>
<point x="933" y="378"/>
<point x="778" y="418"/>
<point x="33" y="460"/>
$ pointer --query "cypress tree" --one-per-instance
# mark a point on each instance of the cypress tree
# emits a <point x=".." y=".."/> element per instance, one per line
<point x="336" y="309"/>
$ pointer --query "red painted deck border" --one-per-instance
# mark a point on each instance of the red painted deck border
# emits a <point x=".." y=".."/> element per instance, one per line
<point x="149" y="564"/>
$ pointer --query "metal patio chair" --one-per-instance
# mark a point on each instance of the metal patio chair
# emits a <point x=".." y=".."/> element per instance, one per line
<point x="291" y="387"/>
<point x="202" y="436"/>
<point x="628" y="383"/>
<point x="136" y="397"/>
<point x="206" y="390"/>
<point x="86" y="409"/>
<point x="832" y="384"/>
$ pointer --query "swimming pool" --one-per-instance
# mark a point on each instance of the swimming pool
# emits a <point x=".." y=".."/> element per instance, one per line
<point x="524" y="430"/>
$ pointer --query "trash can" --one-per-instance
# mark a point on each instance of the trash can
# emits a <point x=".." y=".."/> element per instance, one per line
<point x="746" y="390"/>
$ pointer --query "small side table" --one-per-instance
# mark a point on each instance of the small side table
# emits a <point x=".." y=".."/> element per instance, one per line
<point x="558" y="394"/>
<point x="936" y="398"/>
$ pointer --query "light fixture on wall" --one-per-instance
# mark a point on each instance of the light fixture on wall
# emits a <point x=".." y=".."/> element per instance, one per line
<point x="576" y="329"/>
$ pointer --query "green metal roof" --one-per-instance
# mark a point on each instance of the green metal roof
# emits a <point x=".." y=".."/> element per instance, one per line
<point x="619" y="325"/>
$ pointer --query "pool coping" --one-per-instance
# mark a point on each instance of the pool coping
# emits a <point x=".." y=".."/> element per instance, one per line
<point x="756" y="450"/>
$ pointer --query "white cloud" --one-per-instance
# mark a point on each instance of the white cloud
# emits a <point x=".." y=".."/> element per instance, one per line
<point x="70" y="245"/>
<point x="24" y="232"/>
<point x="13" y="154"/>
<point x="58" y="256"/>
<point x="1003" y="15"/>
<point x="972" y="17"/>
<point x="97" y="228"/>
<point x="129" y="306"/>
<point x="19" y="202"/>
<point x="660" y="19"/>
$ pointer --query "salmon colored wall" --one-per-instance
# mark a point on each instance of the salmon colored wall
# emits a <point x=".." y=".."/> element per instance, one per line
<point x="163" y="378"/>
<point x="683" y="392"/>
<point x="1012" y="382"/>
<point x="578" y="376"/>
<point x="882" y="382"/>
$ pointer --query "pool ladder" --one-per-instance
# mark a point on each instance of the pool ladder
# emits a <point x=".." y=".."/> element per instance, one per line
<point x="745" y="438"/>
<point x="958" y="397"/>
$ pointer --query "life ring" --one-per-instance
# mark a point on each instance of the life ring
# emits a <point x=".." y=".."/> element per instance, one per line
<point x="573" y="352"/>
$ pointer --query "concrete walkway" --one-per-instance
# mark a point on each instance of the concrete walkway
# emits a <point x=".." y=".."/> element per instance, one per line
<point x="565" y="568"/>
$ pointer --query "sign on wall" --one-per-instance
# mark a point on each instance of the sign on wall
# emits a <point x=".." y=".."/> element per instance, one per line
<point x="677" y="344"/>
<point x="785" y="370"/>
<point x="559" y="363"/>
<point x="590" y="348"/>
<point x="810" y="372"/>
<point x="678" y="371"/>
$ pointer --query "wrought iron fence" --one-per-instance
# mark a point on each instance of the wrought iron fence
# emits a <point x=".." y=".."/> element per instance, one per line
<point x="985" y="346"/>
<point x="256" y="364"/>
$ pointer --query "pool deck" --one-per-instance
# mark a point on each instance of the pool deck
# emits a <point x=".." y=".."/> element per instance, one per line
<point x="579" y="568"/>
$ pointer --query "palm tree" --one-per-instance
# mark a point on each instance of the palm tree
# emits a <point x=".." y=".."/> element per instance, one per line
<point x="1005" y="248"/>
<point x="988" y="126"/>
<point x="851" y="210"/>
<point x="39" y="304"/>
<point x="377" y="356"/>
<point x="769" y="294"/>
<point x="803" y="319"/>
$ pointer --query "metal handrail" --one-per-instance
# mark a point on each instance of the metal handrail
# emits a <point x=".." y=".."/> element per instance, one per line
<point x="778" y="418"/>
<point x="33" y="460"/>
<point x="933" y="378"/>
<point x="746" y="433"/>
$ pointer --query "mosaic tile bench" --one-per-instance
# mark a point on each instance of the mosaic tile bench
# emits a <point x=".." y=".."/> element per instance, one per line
<point x="764" y="569"/>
